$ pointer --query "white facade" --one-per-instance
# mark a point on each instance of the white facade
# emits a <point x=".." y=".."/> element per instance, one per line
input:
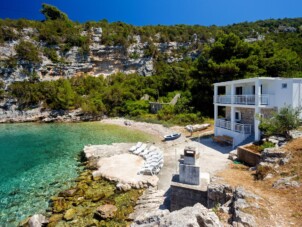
<point x="244" y="99"/>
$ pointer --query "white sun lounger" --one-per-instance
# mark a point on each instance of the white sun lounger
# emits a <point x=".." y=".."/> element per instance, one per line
<point x="154" y="158"/>
<point x="146" y="170"/>
<point x="151" y="154"/>
<point x="140" y="149"/>
<point x="147" y="151"/>
<point x="135" y="147"/>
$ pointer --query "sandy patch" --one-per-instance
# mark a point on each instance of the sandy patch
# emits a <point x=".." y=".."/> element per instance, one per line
<point x="124" y="169"/>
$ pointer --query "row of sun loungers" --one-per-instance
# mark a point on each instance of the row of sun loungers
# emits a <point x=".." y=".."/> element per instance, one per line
<point x="154" y="159"/>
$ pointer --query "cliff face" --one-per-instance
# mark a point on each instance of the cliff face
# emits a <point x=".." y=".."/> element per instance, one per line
<point x="100" y="59"/>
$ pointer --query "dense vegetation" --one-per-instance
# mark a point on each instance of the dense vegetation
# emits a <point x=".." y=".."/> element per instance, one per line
<point x="224" y="54"/>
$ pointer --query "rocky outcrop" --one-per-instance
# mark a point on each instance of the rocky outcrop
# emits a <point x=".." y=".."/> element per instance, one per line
<point x="233" y="202"/>
<point x="9" y="112"/>
<point x="218" y="194"/>
<point x="286" y="182"/>
<point x="198" y="215"/>
<point x="149" y="208"/>
<point x="240" y="202"/>
<point x="273" y="155"/>
<point x="100" y="60"/>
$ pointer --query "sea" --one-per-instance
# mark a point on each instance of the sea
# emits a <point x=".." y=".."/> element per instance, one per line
<point x="39" y="160"/>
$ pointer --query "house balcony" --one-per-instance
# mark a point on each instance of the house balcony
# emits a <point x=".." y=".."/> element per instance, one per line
<point x="264" y="100"/>
<point x="234" y="126"/>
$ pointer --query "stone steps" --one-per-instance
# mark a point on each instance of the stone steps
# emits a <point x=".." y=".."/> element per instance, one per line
<point x="149" y="209"/>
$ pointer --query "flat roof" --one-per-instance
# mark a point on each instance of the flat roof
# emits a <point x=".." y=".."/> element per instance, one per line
<point x="248" y="80"/>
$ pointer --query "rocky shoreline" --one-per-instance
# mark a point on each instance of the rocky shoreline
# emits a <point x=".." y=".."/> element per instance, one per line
<point x="92" y="201"/>
<point x="10" y="113"/>
<point x="100" y="202"/>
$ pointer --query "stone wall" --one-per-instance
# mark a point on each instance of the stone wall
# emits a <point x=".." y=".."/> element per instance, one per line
<point x="267" y="113"/>
<point x="248" y="156"/>
<point x="247" y="114"/>
<point x="186" y="196"/>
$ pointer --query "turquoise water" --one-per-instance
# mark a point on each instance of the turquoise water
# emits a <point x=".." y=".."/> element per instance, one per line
<point x="39" y="160"/>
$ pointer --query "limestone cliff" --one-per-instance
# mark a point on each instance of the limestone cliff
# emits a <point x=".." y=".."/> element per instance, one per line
<point x="99" y="60"/>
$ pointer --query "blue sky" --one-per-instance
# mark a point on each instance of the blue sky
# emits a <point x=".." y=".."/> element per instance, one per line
<point x="153" y="12"/>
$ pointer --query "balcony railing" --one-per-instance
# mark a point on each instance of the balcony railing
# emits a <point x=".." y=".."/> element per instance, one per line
<point x="234" y="126"/>
<point x="242" y="99"/>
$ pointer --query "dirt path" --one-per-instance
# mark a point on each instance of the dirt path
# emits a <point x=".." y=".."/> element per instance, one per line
<point x="276" y="207"/>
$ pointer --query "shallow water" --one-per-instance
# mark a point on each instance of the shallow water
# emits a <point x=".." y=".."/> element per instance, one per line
<point x="39" y="160"/>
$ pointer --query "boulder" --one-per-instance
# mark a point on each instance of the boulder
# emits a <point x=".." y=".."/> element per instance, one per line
<point x="240" y="203"/>
<point x="106" y="211"/>
<point x="94" y="194"/>
<point x="197" y="215"/>
<point x="123" y="187"/>
<point x="55" y="218"/>
<point x="58" y="204"/>
<point x="245" y="219"/>
<point x="273" y="153"/>
<point x="69" y="214"/>
<point x="218" y="194"/>
<point x="286" y="182"/>
<point x="37" y="220"/>
<point x="68" y="193"/>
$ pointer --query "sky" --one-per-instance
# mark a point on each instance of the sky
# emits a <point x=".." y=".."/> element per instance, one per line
<point x="153" y="12"/>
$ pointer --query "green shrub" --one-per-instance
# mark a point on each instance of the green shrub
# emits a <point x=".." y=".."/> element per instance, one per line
<point x="53" y="13"/>
<point x="266" y="144"/>
<point x="28" y="52"/>
<point x="187" y="118"/>
<point x="2" y="86"/>
<point x="51" y="54"/>
<point x="166" y="113"/>
<point x="281" y="123"/>
<point x="136" y="108"/>
<point x="11" y="62"/>
<point x="8" y="34"/>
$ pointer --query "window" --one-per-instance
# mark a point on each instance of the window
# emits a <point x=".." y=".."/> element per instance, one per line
<point x="284" y="85"/>
<point x="238" y="90"/>
<point x="237" y="116"/>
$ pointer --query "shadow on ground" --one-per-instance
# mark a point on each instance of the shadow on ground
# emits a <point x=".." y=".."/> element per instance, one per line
<point x="208" y="142"/>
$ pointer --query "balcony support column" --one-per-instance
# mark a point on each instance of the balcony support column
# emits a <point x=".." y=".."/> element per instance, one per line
<point x="257" y="108"/>
<point x="232" y="94"/>
<point x="232" y="118"/>
<point x="215" y="94"/>
<point x="215" y="118"/>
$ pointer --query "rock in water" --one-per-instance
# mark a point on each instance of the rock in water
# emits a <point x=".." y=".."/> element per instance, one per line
<point x="69" y="215"/>
<point x="68" y="193"/>
<point x="106" y="211"/>
<point x="37" y="220"/>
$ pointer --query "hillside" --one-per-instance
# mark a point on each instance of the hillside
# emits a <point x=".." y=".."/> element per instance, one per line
<point x="181" y="58"/>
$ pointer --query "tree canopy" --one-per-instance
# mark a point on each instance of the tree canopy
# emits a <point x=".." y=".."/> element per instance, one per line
<point x="53" y="13"/>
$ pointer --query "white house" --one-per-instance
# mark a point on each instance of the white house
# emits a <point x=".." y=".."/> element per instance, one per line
<point x="241" y="100"/>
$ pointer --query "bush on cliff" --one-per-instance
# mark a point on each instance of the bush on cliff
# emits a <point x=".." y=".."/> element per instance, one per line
<point x="28" y="52"/>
